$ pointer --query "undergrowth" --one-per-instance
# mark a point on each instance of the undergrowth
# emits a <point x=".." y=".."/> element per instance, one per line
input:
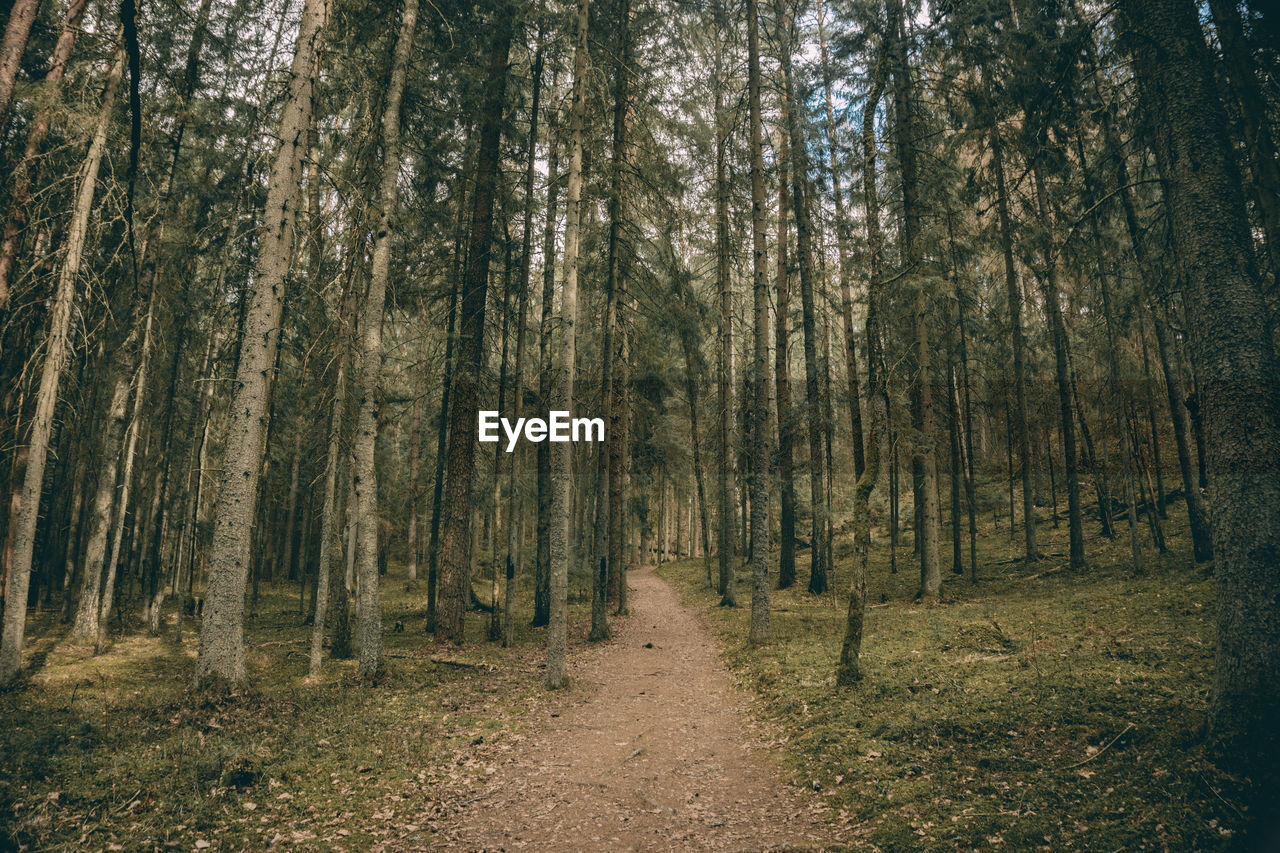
<point x="1037" y="709"/>
<point x="113" y="752"/>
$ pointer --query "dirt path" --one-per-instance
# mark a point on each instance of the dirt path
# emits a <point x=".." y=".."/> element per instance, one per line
<point x="651" y="750"/>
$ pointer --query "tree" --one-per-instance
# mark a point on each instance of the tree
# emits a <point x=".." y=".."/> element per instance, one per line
<point x="455" y="568"/>
<point x="562" y="383"/>
<point x="58" y="344"/>
<point x="924" y="462"/>
<point x="758" y="483"/>
<point x="221" y="656"/>
<point x="1235" y="356"/>
<point x="368" y="615"/>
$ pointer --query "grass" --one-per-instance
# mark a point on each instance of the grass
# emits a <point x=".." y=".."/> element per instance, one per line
<point x="1036" y="710"/>
<point x="111" y="752"/>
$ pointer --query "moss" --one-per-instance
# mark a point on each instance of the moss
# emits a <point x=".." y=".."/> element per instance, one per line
<point x="1039" y="709"/>
<point x="115" y="749"/>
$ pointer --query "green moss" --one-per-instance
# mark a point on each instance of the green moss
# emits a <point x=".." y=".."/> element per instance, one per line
<point x="1036" y="710"/>
<point x="114" y="749"/>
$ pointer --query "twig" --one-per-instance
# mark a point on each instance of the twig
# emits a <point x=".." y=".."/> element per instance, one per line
<point x="1110" y="743"/>
<point x="127" y="803"/>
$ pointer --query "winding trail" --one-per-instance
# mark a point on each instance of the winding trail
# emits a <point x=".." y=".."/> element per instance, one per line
<point x="651" y="749"/>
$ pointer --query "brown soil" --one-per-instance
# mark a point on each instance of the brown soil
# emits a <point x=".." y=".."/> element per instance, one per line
<point x="650" y="749"/>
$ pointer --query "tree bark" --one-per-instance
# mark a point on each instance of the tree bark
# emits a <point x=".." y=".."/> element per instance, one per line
<point x="56" y="352"/>
<point x="24" y="175"/>
<point x="542" y="533"/>
<point x="368" y="614"/>
<point x="1237" y="364"/>
<point x="761" y="631"/>
<point x="455" y="568"/>
<point x="800" y="190"/>
<point x="221" y="656"/>
<point x="924" y="463"/>
<point x="782" y="371"/>
<point x="728" y="469"/>
<point x="849" y="669"/>
<point x="842" y="244"/>
<point x="21" y="15"/>
<point x="562" y="383"/>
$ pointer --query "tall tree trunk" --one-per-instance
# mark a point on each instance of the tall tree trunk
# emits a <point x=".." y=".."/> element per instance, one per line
<point x="85" y="627"/>
<point x="455" y="568"/>
<point x="924" y="461"/>
<point x="442" y="439"/>
<point x="126" y="477"/>
<point x="1263" y="158"/>
<point x="1013" y="293"/>
<point x="842" y="244"/>
<point x="849" y="669"/>
<point x="56" y="352"/>
<point x="514" y="509"/>
<point x="818" y="569"/>
<point x="967" y="444"/>
<point x="23" y="177"/>
<point x="368" y="614"/>
<point x="1201" y="542"/>
<point x="761" y="631"/>
<point x="782" y="372"/>
<point x="1237" y="364"/>
<point x="562" y="384"/>
<point x="329" y="510"/>
<point x="1201" y="539"/>
<point x="691" y="385"/>
<point x="724" y="288"/>
<point x="221" y="656"/>
<point x="412" y="546"/>
<point x="1051" y="293"/>
<point x="542" y="533"/>
<point x="21" y="15"/>
<point x="614" y="283"/>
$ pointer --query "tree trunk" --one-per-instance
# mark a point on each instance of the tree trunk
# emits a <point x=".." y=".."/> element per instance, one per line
<point x="18" y="582"/>
<point x="368" y="614"/>
<point x="21" y="15"/>
<point x="1237" y="363"/>
<point x="455" y="568"/>
<point x="24" y="175"/>
<point x="126" y="478"/>
<point x="924" y="461"/>
<point x="1051" y="293"/>
<point x="1013" y="293"/>
<point x="724" y="287"/>
<point x="562" y="384"/>
<point x="782" y="371"/>
<point x="221" y="656"/>
<point x="818" y="569"/>
<point x="542" y="533"/>
<point x="761" y="631"/>
<point x="849" y="669"/>
<point x="842" y="244"/>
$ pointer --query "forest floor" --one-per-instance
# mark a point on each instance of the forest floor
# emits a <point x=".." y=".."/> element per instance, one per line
<point x="1036" y="709"/>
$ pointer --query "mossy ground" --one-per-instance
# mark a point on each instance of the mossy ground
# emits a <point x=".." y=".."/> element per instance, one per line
<point x="113" y="752"/>
<point x="1037" y="709"/>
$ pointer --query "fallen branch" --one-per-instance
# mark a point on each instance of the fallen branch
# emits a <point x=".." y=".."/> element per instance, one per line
<point x="1110" y="743"/>
<point x="464" y="663"/>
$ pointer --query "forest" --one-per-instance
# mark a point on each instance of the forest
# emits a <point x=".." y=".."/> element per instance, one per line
<point x="925" y="351"/>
